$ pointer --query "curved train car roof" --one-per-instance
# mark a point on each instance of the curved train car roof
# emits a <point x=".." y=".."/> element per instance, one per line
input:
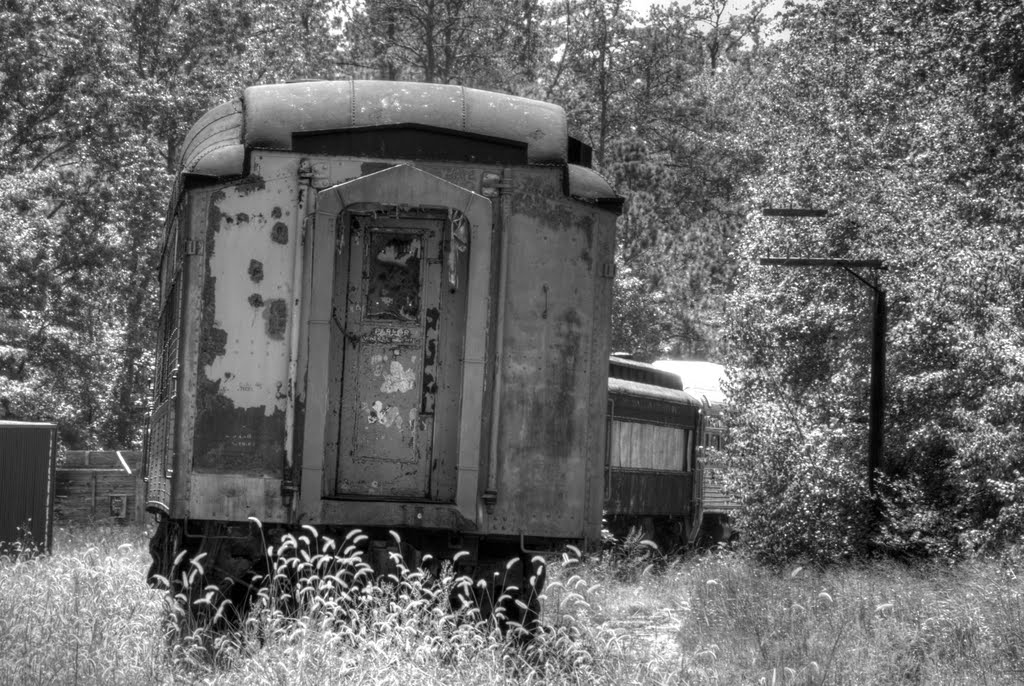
<point x="642" y="390"/>
<point x="702" y="380"/>
<point x="642" y="372"/>
<point x="280" y="116"/>
<point x="391" y="120"/>
<point x="633" y="399"/>
<point x="641" y="380"/>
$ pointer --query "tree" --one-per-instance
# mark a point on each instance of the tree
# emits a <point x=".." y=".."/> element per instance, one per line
<point x="904" y="120"/>
<point x="471" y="42"/>
<point x="96" y="97"/>
<point x="680" y="156"/>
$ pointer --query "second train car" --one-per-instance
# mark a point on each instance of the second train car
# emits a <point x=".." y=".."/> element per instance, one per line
<point x="664" y="430"/>
<point x="653" y="476"/>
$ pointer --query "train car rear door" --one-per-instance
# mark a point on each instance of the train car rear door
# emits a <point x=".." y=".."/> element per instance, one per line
<point x="393" y="294"/>
<point x="394" y="363"/>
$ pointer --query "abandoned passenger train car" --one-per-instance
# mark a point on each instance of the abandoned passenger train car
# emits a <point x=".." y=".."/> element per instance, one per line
<point x="653" y="474"/>
<point x="386" y="306"/>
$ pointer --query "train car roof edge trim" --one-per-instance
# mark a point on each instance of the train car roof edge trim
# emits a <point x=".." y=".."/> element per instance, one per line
<point x="267" y="116"/>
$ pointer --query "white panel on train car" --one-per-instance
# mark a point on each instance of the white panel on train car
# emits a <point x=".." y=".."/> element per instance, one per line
<point x="700" y="379"/>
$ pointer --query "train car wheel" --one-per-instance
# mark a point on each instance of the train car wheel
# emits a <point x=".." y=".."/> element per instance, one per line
<point x="210" y="572"/>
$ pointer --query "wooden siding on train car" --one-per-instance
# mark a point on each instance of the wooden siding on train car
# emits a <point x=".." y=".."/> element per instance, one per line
<point x="651" y="453"/>
<point x="649" y="493"/>
<point x="648" y="472"/>
<point x="28" y="453"/>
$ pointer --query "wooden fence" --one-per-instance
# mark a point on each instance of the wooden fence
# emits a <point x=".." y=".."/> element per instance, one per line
<point x="100" y="486"/>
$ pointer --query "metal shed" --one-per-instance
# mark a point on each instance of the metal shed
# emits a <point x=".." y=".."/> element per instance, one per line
<point x="28" y="458"/>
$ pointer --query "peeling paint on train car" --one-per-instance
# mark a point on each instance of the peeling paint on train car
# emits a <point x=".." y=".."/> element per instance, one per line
<point x="394" y="278"/>
<point x="243" y="366"/>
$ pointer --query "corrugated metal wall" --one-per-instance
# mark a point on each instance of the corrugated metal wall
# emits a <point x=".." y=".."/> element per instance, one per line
<point x="27" y="462"/>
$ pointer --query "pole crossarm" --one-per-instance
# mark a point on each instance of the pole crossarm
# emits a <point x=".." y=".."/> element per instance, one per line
<point x="793" y="212"/>
<point x="848" y="265"/>
<point x="876" y="414"/>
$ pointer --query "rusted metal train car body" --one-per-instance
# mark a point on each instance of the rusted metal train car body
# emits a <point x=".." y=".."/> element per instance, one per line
<point x="385" y="306"/>
<point x="653" y="477"/>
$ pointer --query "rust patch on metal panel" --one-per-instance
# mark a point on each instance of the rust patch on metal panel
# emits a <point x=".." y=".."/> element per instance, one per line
<point x="568" y="349"/>
<point x="276" y="316"/>
<point x="236" y="440"/>
<point x="279" y="234"/>
<point x="430" y="361"/>
<point x="255" y="270"/>
<point x="561" y="370"/>
<point x="252" y="184"/>
<point x="586" y="225"/>
<point x="213" y="341"/>
<point x="229" y="437"/>
<point x="534" y="197"/>
<point x="540" y="197"/>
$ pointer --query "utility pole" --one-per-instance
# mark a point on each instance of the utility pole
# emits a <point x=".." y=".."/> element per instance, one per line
<point x="876" y="410"/>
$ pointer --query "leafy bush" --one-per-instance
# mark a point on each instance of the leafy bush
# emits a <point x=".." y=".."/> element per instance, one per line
<point x="909" y="133"/>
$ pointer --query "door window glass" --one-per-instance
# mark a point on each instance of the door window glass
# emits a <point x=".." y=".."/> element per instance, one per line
<point x="393" y="290"/>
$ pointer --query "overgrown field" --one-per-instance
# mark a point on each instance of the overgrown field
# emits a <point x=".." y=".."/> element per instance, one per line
<point x="84" y="615"/>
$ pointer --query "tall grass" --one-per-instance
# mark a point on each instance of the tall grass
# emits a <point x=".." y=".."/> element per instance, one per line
<point x="84" y="615"/>
<point x="877" y="623"/>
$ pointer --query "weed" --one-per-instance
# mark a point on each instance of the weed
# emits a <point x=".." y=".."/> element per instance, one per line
<point x="84" y="615"/>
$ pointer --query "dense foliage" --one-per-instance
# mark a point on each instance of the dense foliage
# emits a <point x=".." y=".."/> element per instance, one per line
<point x="903" y="119"/>
<point x="94" y="100"/>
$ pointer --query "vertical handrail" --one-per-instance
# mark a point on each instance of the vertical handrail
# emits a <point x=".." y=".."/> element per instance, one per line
<point x="608" y="450"/>
<point x="490" y="495"/>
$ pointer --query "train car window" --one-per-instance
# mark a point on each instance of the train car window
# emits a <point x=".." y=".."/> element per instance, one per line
<point x="689" y="460"/>
<point x="393" y="291"/>
<point x="411" y="141"/>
